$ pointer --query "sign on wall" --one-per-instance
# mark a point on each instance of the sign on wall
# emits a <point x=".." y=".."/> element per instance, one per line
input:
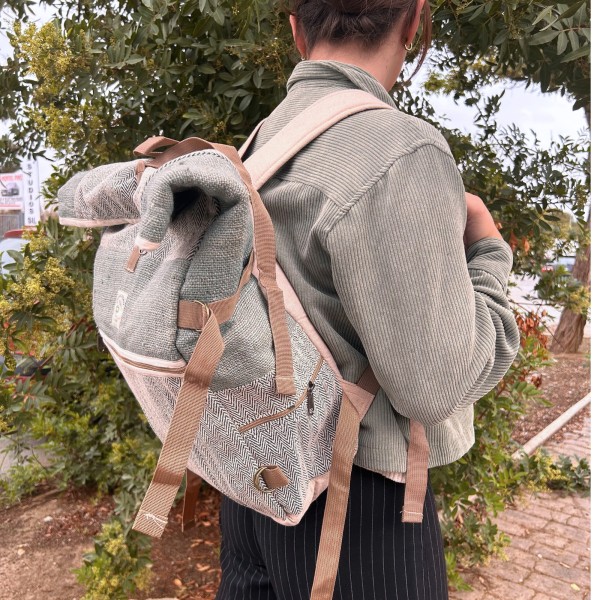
<point x="12" y="190"/>
<point x="20" y="191"/>
<point x="31" y="204"/>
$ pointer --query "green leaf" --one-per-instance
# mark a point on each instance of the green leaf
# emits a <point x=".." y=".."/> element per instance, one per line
<point x="543" y="15"/>
<point x="206" y="69"/>
<point x="580" y="53"/>
<point x="572" y="9"/>
<point x="543" y="37"/>
<point x="562" y="43"/>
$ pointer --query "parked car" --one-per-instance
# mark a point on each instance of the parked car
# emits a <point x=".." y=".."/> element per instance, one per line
<point x="566" y="261"/>
<point x="12" y="240"/>
<point x="10" y="189"/>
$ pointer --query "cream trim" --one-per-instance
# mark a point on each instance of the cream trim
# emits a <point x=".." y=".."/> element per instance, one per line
<point x="393" y="475"/>
<point x="153" y="364"/>
<point x="95" y="222"/>
<point x="143" y="244"/>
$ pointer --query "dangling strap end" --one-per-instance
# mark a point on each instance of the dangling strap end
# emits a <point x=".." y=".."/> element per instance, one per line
<point x="409" y="516"/>
<point x="150" y="524"/>
<point x="190" y="498"/>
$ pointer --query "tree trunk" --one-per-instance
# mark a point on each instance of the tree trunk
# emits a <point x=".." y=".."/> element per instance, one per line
<point x="569" y="333"/>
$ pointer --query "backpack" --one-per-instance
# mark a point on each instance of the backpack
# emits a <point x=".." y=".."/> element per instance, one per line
<point x="214" y="342"/>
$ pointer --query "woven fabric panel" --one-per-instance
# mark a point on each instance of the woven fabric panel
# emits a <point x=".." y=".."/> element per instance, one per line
<point x="106" y="193"/>
<point x="200" y="257"/>
<point x="299" y="443"/>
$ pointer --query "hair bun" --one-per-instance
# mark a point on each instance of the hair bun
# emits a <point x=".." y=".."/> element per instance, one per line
<point x="349" y="7"/>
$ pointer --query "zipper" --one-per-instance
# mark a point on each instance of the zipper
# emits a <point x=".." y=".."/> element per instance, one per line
<point x="141" y="365"/>
<point x="134" y="257"/>
<point x="307" y="394"/>
<point x="310" y="401"/>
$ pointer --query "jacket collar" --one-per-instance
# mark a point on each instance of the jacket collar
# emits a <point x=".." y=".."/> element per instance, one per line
<point x="331" y="73"/>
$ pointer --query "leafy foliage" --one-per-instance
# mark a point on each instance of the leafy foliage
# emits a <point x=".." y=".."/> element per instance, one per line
<point x="98" y="79"/>
<point x="540" y="42"/>
<point x="118" y="565"/>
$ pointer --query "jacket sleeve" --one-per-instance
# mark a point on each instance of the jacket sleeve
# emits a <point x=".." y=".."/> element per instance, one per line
<point x="434" y="319"/>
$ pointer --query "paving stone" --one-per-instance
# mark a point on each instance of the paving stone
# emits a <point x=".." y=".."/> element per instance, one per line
<point x="550" y="544"/>
<point x="550" y="540"/>
<point x="566" y="531"/>
<point x="578" y="549"/>
<point x="582" y="502"/>
<point x="526" y="518"/>
<point x="521" y="543"/>
<point x="565" y="555"/>
<point x="554" y="587"/>
<point x="558" y="506"/>
<point x="510" y="527"/>
<point x="468" y="595"/>
<point x="500" y="588"/>
<point x="525" y="559"/>
<point x="568" y="574"/>
<point x="580" y="522"/>
<point x="509" y="571"/>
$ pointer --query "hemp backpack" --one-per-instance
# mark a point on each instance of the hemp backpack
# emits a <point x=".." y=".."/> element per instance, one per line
<point x="214" y="342"/>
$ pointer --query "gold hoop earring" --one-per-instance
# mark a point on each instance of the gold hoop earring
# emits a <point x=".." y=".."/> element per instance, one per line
<point x="409" y="47"/>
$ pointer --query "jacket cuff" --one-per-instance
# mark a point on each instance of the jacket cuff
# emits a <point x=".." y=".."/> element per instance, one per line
<point x="493" y="255"/>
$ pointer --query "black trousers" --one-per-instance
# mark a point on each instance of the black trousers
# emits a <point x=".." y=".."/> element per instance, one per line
<point x="381" y="559"/>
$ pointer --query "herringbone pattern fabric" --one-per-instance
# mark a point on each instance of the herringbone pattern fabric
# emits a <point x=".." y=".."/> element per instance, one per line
<point x="301" y="444"/>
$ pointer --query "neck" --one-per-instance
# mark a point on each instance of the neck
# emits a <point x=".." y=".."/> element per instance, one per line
<point x="384" y="64"/>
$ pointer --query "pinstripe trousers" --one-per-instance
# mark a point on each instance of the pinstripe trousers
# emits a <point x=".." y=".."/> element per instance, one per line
<point x="381" y="559"/>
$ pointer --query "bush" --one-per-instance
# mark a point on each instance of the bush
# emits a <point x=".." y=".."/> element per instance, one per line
<point x="118" y="566"/>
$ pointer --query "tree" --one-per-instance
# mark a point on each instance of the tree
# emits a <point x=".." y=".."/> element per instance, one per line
<point x="542" y="43"/>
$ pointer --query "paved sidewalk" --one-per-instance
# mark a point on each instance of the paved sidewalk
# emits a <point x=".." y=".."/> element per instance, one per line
<point x="549" y="557"/>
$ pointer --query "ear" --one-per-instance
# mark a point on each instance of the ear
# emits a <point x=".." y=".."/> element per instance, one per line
<point x="298" y="36"/>
<point x="412" y="28"/>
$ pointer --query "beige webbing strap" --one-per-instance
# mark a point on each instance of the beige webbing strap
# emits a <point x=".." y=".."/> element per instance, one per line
<point x="152" y="517"/>
<point x="175" y="149"/>
<point x="305" y="127"/>
<point x="192" y="315"/>
<point x="417" y="462"/>
<point x="264" y="243"/>
<point x="244" y="147"/>
<point x="151" y="146"/>
<point x="416" y="474"/>
<point x="336" y="504"/>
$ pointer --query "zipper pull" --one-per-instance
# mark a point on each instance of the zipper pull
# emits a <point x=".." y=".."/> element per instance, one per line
<point x="310" y="401"/>
<point x="135" y="255"/>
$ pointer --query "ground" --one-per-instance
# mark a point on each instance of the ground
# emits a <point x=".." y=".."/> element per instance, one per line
<point x="43" y="538"/>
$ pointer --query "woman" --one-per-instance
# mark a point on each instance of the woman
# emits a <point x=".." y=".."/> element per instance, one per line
<point x="394" y="264"/>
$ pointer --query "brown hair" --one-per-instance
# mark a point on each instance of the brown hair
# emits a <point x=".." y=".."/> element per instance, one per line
<point x="367" y="22"/>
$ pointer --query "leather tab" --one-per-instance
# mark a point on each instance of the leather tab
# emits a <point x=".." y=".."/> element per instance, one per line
<point x="134" y="257"/>
<point x="274" y="477"/>
<point x="151" y="146"/>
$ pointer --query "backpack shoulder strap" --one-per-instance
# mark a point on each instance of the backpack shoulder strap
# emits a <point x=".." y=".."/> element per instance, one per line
<point x="303" y="129"/>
